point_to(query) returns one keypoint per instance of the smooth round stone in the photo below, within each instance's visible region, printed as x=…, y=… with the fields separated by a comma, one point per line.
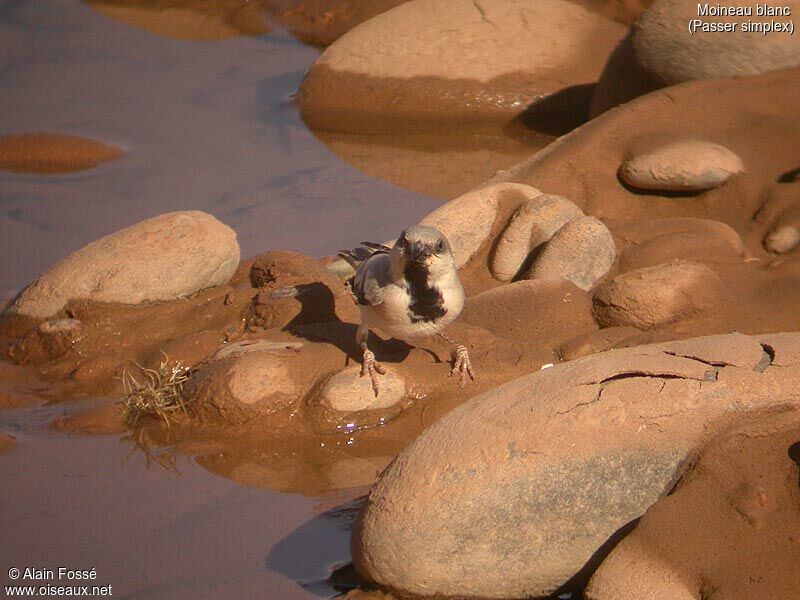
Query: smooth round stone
x=532, y=225
x=655, y=296
x=423, y=64
x=782, y=238
x=347, y=391
x=659, y=51
x=685, y=166
x=582, y=252
x=163, y=258
x=467, y=220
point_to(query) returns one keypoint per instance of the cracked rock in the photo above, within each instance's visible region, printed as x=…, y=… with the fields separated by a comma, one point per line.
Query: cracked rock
x=540, y=473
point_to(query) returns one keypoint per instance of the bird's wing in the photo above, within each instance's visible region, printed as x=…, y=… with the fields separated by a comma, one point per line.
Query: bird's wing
x=373, y=275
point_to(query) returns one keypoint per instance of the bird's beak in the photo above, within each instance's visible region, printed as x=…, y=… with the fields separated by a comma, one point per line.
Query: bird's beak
x=419, y=251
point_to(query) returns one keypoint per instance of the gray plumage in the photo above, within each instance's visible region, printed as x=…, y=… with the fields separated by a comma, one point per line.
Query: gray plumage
x=410, y=291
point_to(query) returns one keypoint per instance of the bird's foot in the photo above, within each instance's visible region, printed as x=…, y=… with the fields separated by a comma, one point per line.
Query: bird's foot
x=462, y=365
x=372, y=367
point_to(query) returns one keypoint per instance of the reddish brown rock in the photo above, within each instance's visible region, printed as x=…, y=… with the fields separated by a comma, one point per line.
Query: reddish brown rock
x=532, y=311
x=537, y=475
x=595, y=341
x=659, y=51
x=6, y=442
x=532, y=225
x=162, y=258
x=319, y=296
x=468, y=220
x=53, y=153
x=730, y=526
x=365, y=81
x=47, y=341
x=655, y=296
x=582, y=252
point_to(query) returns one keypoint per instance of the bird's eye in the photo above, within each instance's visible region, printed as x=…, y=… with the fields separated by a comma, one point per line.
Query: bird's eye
x=440, y=245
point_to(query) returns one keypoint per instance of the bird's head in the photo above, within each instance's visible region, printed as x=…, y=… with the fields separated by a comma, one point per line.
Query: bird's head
x=423, y=247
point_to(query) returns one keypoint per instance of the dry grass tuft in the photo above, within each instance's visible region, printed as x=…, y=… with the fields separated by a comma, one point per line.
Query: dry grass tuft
x=156, y=393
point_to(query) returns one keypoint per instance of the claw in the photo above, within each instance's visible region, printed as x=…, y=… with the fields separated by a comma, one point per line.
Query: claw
x=462, y=365
x=372, y=367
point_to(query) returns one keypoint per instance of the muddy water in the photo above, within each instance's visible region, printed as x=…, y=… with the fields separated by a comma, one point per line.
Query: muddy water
x=208, y=125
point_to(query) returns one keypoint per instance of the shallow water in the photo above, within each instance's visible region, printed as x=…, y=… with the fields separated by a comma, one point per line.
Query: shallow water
x=205, y=125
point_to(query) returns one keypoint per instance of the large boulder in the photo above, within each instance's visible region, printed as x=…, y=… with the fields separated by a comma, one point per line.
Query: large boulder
x=424, y=63
x=511, y=494
x=163, y=258
x=731, y=525
x=659, y=51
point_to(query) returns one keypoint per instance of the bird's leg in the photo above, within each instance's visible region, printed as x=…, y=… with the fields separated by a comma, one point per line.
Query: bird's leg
x=368, y=363
x=461, y=363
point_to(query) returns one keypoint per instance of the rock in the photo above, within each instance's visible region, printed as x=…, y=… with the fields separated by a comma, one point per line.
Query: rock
x=53, y=153
x=511, y=494
x=655, y=296
x=582, y=252
x=595, y=341
x=163, y=258
x=782, y=238
x=697, y=247
x=730, y=525
x=684, y=166
x=319, y=297
x=345, y=402
x=346, y=391
x=781, y=212
x=201, y=21
x=188, y=350
x=532, y=225
x=241, y=386
x=532, y=311
x=47, y=341
x=467, y=220
x=659, y=52
x=322, y=22
x=642, y=231
x=537, y=49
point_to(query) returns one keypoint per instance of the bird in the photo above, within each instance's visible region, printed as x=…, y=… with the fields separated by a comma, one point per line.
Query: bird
x=410, y=291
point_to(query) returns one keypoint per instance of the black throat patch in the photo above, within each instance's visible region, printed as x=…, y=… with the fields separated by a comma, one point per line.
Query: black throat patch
x=427, y=302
